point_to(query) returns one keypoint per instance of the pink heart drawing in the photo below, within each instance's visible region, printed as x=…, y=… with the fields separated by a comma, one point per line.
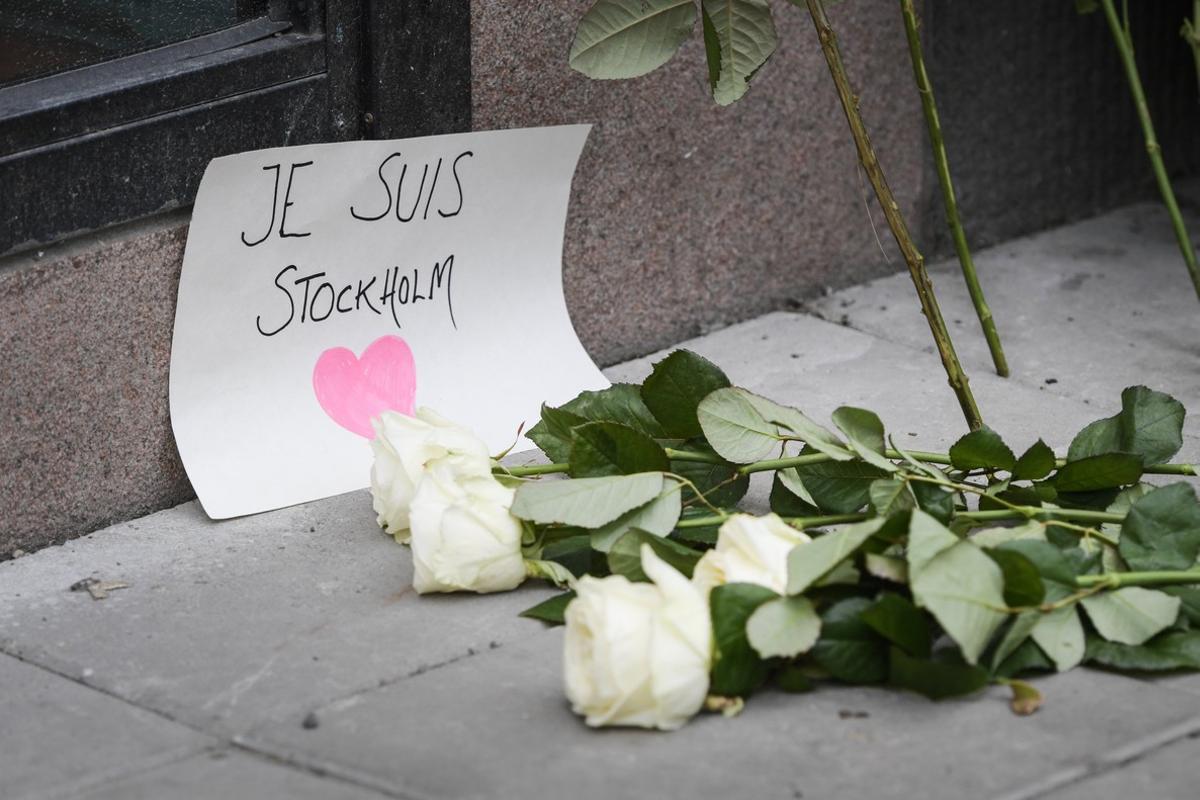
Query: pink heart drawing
x=352, y=390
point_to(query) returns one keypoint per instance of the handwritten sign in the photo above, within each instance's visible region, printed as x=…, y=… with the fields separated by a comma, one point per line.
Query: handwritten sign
x=324, y=284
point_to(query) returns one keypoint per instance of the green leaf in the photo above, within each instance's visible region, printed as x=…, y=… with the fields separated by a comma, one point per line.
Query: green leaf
x=936, y=501
x=835, y=487
x=551, y=571
x=735, y=428
x=993, y=537
x=1022, y=581
x=1107, y=471
x=737, y=668
x=1016, y=495
x=743, y=427
x=1056, y=570
x=1131, y=615
x=810, y=561
x=1014, y=638
x=657, y=517
x=864, y=434
x=982, y=449
x=553, y=434
x=1060, y=635
x=625, y=555
x=927, y=538
x=934, y=678
x=621, y=402
x=844, y=573
x=1150, y=425
x=610, y=448
x=1170, y=651
x=573, y=552
x=675, y=388
x=794, y=425
x=1096, y=501
x=849, y=649
x=745, y=39
x=919, y=466
x=1121, y=505
x=698, y=534
x=1049, y=560
x=1162, y=530
x=628, y=38
x=1035, y=463
x=889, y=495
x=956, y=582
x=793, y=680
x=1046, y=491
x=783, y=627
x=785, y=503
x=901, y=623
x=722, y=484
x=712, y=50
x=586, y=502
x=889, y=568
x=1028, y=657
x=1189, y=597
x=551, y=610
x=1096, y=438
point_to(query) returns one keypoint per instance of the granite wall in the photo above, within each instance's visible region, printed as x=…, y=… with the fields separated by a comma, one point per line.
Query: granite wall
x=686, y=215
x=1037, y=115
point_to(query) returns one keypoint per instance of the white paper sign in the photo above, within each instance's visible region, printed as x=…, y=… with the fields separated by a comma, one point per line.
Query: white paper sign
x=325, y=283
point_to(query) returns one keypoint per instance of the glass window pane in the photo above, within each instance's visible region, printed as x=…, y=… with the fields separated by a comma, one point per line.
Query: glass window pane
x=41, y=37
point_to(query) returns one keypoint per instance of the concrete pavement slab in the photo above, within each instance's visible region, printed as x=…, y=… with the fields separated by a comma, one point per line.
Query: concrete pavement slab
x=221, y=775
x=498, y=726
x=56, y=734
x=1168, y=773
x=228, y=623
x=1083, y=310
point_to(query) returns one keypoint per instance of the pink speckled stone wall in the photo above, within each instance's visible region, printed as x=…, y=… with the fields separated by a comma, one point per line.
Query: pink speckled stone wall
x=85, y=333
x=684, y=215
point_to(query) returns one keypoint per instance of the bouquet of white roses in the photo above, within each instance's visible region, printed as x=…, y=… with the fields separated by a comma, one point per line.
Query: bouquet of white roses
x=939, y=573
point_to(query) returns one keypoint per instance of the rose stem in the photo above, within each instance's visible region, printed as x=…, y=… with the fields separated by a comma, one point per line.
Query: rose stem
x=1191, y=33
x=1124, y=42
x=1115, y=580
x=811, y=458
x=942, y=165
x=891, y=211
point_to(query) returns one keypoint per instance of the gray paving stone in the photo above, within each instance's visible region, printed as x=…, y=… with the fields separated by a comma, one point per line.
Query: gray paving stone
x=228, y=623
x=1095, y=306
x=498, y=726
x=56, y=734
x=221, y=775
x=1169, y=773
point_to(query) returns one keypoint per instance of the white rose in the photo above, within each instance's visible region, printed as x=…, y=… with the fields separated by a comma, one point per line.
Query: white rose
x=463, y=536
x=638, y=653
x=404, y=446
x=749, y=550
